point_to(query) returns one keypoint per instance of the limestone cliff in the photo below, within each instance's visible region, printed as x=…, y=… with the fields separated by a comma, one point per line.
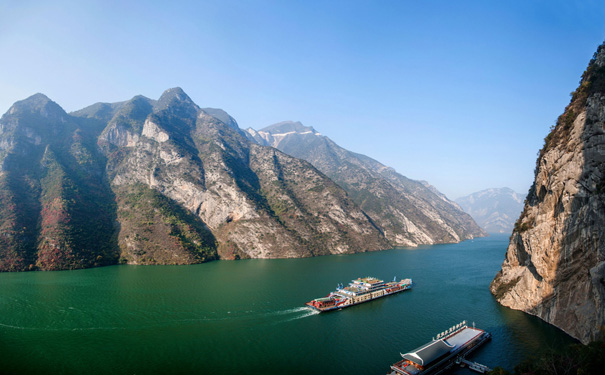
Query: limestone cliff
x=555, y=262
x=257, y=202
x=409, y=212
x=159, y=182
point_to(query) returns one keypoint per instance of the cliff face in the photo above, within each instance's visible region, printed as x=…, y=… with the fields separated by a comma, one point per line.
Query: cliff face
x=409, y=212
x=256, y=201
x=159, y=182
x=555, y=262
x=56, y=207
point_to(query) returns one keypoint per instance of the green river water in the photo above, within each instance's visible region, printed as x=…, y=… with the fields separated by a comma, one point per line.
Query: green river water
x=248, y=316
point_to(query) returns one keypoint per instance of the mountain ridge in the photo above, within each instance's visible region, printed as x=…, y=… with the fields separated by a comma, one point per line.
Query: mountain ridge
x=159, y=182
x=494, y=209
x=409, y=212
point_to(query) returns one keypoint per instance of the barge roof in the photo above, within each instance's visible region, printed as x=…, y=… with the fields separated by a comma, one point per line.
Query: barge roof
x=464, y=336
x=427, y=353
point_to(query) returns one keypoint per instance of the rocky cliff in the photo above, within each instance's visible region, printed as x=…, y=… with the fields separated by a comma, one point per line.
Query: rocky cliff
x=555, y=262
x=408, y=212
x=56, y=206
x=495, y=210
x=159, y=182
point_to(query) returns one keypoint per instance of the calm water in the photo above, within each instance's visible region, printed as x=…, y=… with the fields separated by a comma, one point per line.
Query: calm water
x=227, y=317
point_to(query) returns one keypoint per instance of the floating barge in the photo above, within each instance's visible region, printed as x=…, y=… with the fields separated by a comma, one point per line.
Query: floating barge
x=360, y=290
x=446, y=350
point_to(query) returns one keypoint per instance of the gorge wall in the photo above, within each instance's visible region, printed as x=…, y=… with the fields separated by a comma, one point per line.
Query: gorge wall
x=555, y=262
x=159, y=182
x=409, y=212
x=167, y=182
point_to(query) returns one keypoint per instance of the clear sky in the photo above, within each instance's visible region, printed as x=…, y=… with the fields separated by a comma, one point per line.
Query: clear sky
x=458, y=93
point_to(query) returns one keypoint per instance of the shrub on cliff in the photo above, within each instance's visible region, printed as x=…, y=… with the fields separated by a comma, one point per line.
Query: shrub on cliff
x=576, y=359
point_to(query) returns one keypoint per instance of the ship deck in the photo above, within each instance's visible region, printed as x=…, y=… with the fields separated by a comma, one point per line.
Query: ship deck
x=463, y=337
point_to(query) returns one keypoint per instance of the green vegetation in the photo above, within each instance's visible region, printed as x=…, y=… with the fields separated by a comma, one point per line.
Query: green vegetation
x=133, y=114
x=19, y=210
x=521, y=227
x=576, y=359
x=59, y=211
x=503, y=288
x=77, y=208
x=592, y=81
x=56, y=208
x=160, y=228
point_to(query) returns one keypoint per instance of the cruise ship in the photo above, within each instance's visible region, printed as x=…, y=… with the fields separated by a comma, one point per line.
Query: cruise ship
x=449, y=348
x=360, y=290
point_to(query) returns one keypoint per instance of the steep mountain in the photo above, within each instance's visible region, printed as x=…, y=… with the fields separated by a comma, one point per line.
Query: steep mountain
x=56, y=206
x=555, y=262
x=495, y=210
x=409, y=212
x=159, y=182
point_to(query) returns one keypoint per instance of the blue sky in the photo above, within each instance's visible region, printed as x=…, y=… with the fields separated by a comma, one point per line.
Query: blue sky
x=458, y=93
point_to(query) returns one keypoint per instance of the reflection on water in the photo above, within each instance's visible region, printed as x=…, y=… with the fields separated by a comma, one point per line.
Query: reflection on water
x=249, y=315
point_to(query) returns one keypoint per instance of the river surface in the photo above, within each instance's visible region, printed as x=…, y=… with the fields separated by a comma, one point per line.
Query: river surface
x=247, y=316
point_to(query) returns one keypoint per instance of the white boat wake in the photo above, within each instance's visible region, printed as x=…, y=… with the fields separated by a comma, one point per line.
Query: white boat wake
x=284, y=316
x=298, y=313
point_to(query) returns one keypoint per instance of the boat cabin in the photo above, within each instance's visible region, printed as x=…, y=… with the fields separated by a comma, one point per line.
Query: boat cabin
x=423, y=357
x=323, y=303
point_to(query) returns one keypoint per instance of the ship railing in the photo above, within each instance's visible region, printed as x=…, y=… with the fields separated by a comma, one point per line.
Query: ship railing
x=396, y=367
x=453, y=329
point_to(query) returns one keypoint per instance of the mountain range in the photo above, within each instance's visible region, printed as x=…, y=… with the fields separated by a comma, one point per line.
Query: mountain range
x=409, y=212
x=166, y=182
x=495, y=210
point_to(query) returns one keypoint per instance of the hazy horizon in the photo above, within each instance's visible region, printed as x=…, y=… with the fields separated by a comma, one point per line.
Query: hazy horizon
x=459, y=96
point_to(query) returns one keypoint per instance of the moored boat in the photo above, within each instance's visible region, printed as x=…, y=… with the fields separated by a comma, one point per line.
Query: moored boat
x=360, y=290
x=447, y=349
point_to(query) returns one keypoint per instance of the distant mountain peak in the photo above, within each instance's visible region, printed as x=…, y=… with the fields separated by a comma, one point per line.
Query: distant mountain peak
x=495, y=209
x=273, y=135
x=288, y=127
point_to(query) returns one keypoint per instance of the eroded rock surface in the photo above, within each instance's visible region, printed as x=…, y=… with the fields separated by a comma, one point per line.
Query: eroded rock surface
x=159, y=182
x=555, y=262
x=409, y=212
